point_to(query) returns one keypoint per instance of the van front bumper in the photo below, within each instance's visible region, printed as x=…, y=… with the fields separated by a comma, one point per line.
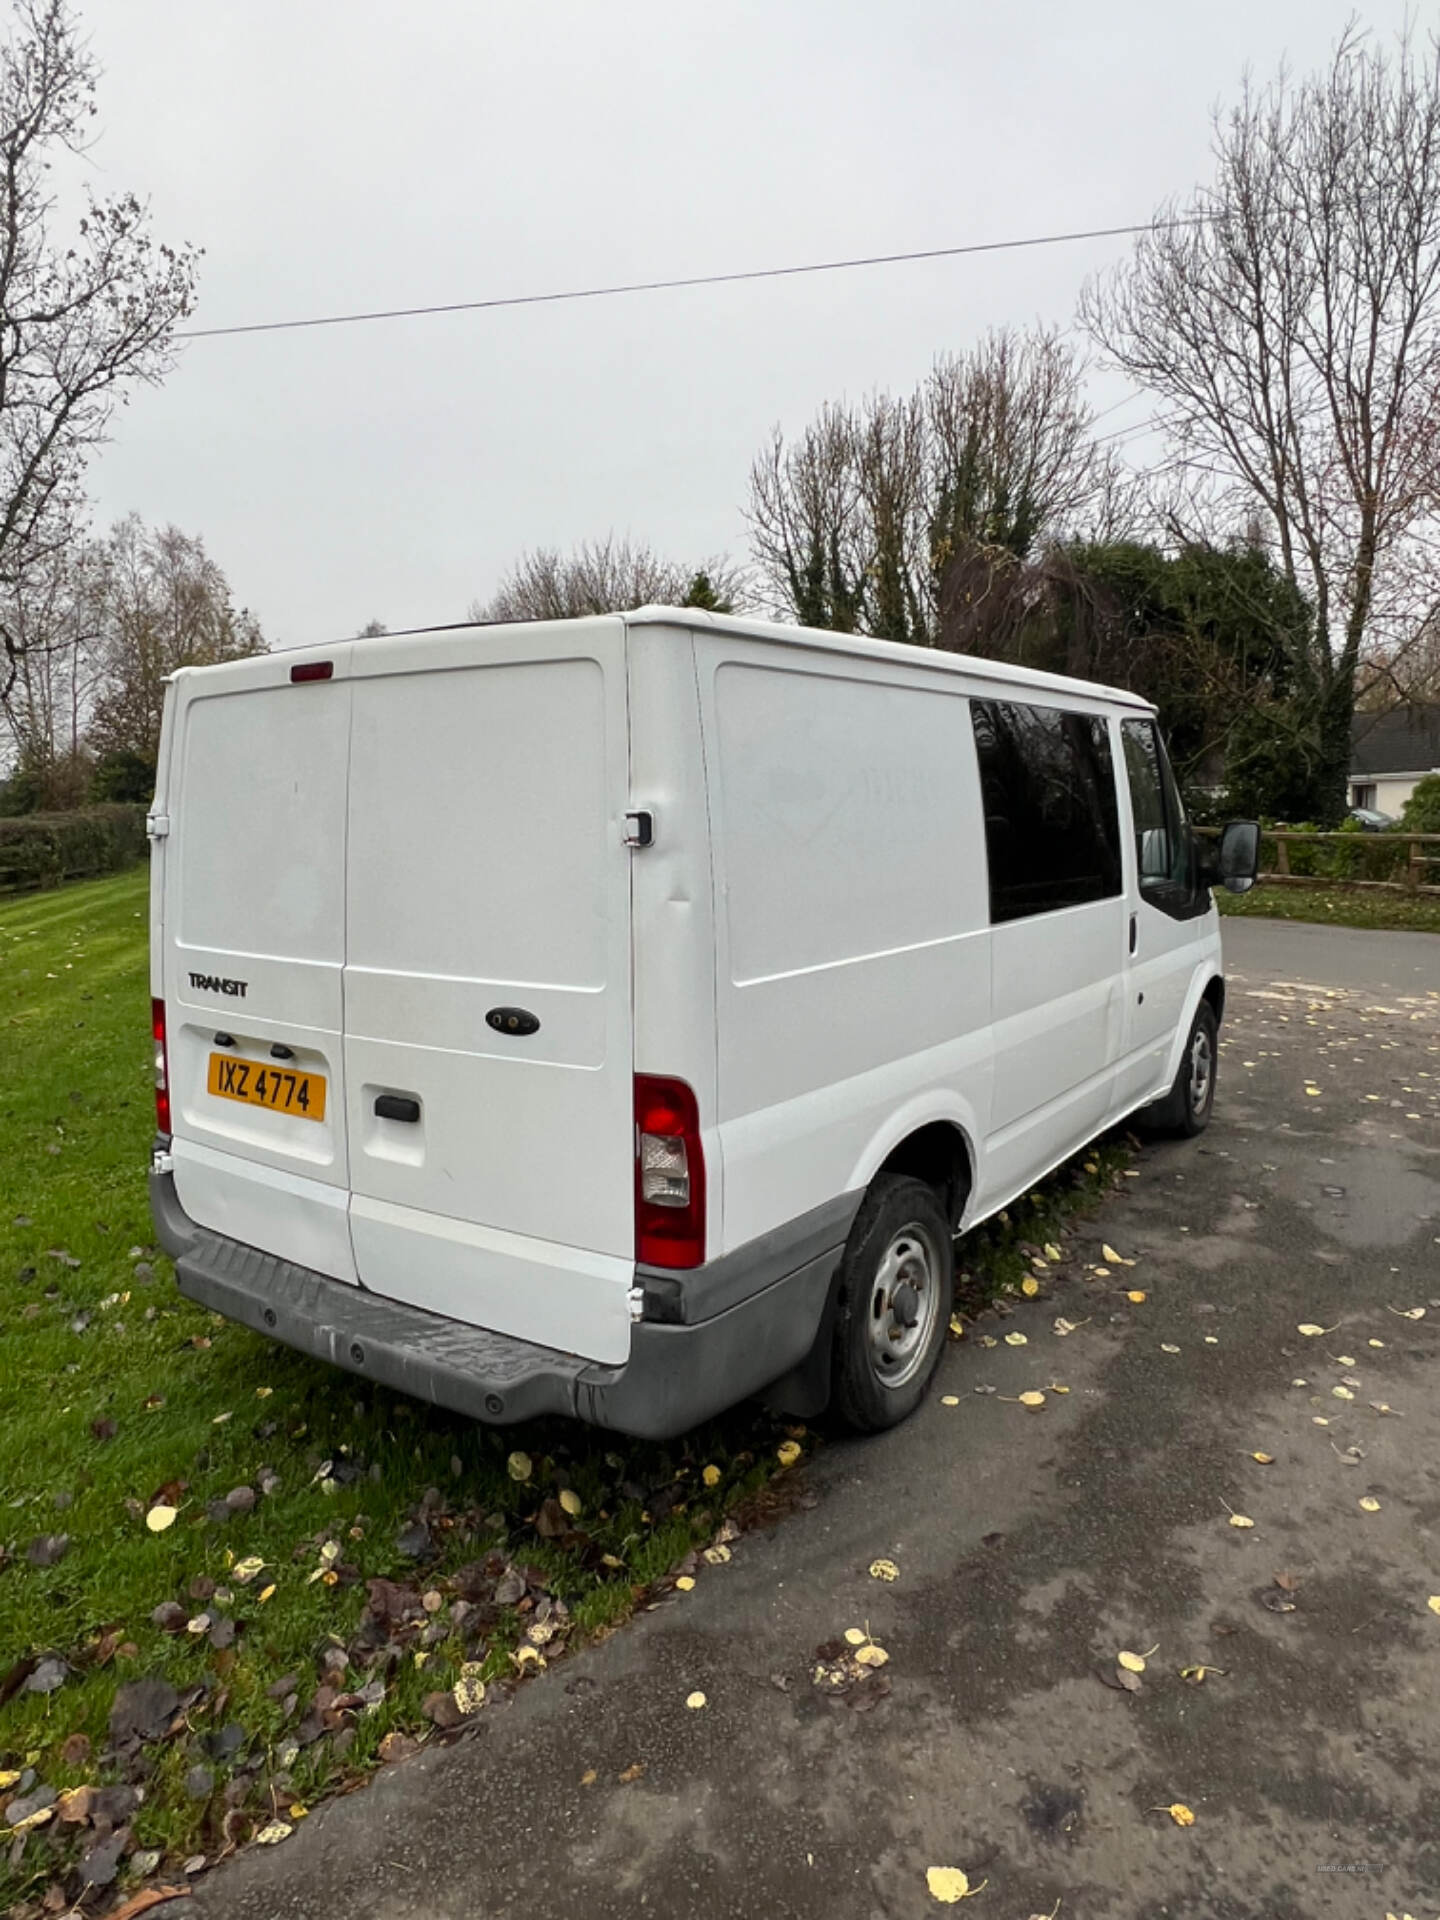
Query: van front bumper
x=677, y=1374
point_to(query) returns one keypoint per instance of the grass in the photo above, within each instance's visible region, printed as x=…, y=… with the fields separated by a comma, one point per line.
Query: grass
x=117, y=1393
x=1336, y=907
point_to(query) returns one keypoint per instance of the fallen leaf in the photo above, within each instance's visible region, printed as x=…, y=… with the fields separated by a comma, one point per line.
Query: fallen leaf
x=1265, y=1459
x=1288, y=1582
x=717, y=1556
x=1029, y=1286
x=788, y=1452
x=1168, y=1346
x=1408, y=1313
x=949, y=1884
x=1178, y=1812
x=711, y=1476
x=884, y=1570
x=949, y=1399
x=1311, y=1331
x=264, y=1594
x=469, y=1689
x=159, y=1518
x=1434, y=1603
x=957, y=1327
x=871, y=1656
x=1016, y=1340
x=632, y=1772
x=695, y=1701
x=244, y=1571
x=571, y=1502
x=1136, y=1296
x=519, y=1466
x=1132, y=1662
x=1342, y=1393
x=1241, y=1520
x=1031, y=1399
x=685, y=1583
x=277, y=1831
x=1370, y=1504
x=589, y=1777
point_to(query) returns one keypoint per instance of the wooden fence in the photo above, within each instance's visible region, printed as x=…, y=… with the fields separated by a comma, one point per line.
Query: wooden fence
x=1411, y=861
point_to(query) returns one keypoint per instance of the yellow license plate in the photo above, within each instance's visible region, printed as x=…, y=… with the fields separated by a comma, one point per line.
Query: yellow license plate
x=264, y=1084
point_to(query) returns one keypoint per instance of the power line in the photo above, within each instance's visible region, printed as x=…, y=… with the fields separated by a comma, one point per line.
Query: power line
x=692, y=280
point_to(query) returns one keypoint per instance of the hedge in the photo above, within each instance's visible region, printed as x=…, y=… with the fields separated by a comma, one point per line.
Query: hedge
x=42, y=849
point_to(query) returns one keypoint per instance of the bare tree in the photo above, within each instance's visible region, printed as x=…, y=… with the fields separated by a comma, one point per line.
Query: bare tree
x=607, y=576
x=84, y=314
x=911, y=517
x=163, y=604
x=43, y=720
x=1291, y=325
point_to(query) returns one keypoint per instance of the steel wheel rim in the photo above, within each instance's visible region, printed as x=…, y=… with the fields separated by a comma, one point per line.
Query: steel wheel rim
x=1200, y=1071
x=908, y=1278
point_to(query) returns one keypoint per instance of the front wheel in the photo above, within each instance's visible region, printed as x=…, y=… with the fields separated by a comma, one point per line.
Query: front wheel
x=897, y=1280
x=1185, y=1110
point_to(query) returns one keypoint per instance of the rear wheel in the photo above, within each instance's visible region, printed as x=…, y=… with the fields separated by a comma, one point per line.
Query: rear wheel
x=1186, y=1109
x=897, y=1279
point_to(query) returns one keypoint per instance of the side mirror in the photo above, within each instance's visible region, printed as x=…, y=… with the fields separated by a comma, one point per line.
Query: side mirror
x=1237, y=860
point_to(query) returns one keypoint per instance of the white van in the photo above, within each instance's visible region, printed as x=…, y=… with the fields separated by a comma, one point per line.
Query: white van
x=618, y=1017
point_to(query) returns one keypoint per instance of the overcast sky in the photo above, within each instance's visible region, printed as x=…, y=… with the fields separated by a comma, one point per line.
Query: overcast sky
x=347, y=154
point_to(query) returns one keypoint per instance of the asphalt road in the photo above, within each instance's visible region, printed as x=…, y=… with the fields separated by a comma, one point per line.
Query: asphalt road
x=1031, y=1548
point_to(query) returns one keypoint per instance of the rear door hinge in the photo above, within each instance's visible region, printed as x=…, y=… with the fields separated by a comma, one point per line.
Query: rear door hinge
x=162, y=1160
x=157, y=825
x=640, y=829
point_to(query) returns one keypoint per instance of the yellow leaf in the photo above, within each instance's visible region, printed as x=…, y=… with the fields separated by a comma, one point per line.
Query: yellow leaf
x=884, y=1570
x=298, y=1811
x=711, y=1476
x=685, y=1583
x=988, y=1340
x=1314, y=1092
x=1180, y=1814
x=420, y=1656
x=1408, y=1313
x=519, y=1466
x=1265, y=1459
x=571, y=1502
x=852, y=1634
x=265, y=1594
x=272, y=1835
x=1168, y=1346
x=1016, y=1340
x=1135, y=1296
x=788, y=1452
x=1434, y=1603
x=1101, y=1273
x=957, y=1327
x=263, y=1393
x=949, y=1399
x=159, y=1518
x=1091, y=1167
x=1032, y=1399
x=469, y=1689
x=1132, y=1662
x=1375, y=1343
x=245, y=1570
x=949, y=1884
x=1241, y=1520
x=1109, y=1253
x=1345, y=1360
x=589, y=1777
x=1055, y=1387
x=1029, y=1286
x=871, y=1656
x=1342, y=1393
x=1370, y=1504
x=9, y=1775
x=695, y=1701
x=1311, y=1331
x=717, y=1556
x=1318, y=1420
x=1052, y=1252
x=526, y=1657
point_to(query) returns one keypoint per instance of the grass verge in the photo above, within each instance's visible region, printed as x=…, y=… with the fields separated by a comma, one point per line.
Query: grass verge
x=340, y=1561
x=1335, y=907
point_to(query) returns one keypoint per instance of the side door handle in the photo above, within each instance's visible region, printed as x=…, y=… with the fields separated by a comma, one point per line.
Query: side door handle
x=1134, y=931
x=395, y=1106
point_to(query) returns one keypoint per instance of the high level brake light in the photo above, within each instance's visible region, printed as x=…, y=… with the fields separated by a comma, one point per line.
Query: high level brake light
x=669, y=1174
x=162, y=1067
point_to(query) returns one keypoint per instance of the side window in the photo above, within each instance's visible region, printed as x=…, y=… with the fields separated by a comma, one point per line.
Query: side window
x=1052, y=834
x=1162, y=844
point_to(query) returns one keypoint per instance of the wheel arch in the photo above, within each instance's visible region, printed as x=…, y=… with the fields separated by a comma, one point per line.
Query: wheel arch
x=932, y=1140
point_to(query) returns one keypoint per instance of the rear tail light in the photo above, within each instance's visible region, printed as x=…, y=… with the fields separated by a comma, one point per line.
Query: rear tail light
x=313, y=670
x=669, y=1174
x=162, y=1066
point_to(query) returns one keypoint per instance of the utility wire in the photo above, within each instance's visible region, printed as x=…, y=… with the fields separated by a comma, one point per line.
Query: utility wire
x=692, y=280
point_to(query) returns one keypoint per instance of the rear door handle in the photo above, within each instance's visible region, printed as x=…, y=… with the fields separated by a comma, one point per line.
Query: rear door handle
x=1134, y=931
x=395, y=1106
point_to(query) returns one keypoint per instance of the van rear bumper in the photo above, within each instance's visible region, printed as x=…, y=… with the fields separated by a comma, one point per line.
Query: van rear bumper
x=676, y=1376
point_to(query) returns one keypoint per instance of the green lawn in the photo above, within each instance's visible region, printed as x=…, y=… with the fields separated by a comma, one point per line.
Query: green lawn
x=253, y=1619
x=1336, y=907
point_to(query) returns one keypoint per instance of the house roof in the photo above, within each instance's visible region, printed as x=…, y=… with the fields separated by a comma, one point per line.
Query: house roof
x=1405, y=740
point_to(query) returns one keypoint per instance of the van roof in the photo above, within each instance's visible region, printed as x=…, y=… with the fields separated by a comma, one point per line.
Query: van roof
x=773, y=632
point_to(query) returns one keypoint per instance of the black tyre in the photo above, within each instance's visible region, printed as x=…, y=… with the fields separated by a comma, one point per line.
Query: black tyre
x=897, y=1281
x=1186, y=1109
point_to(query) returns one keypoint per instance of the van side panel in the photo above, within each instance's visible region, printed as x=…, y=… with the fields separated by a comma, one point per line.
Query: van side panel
x=852, y=910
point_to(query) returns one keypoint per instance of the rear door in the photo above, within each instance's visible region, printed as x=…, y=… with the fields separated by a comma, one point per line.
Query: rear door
x=491, y=1163
x=253, y=956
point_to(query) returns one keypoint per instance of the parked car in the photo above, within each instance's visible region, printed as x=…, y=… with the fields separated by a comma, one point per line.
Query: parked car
x=620, y=1017
x=1371, y=820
